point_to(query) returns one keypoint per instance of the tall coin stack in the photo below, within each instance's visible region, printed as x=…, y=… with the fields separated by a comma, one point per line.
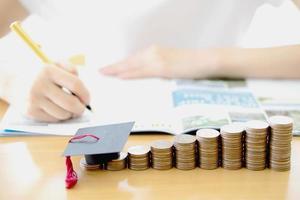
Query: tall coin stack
x=117, y=164
x=256, y=144
x=232, y=146
x=280, y=142
x=185, y=154
x=139, y=157
x=208, y=148
x=162, y=154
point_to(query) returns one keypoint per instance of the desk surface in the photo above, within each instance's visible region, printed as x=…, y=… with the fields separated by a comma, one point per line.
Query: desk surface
x=33, y=168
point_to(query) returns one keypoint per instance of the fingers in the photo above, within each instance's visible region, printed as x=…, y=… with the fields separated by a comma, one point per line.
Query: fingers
x=118, y=68
x=68, y=67
x=150, y=62
x=40, y=115
x=68, y=81
x=49, y=102
x=125, y=71
x=134, y=74
x=54, y=110
x=64, y=100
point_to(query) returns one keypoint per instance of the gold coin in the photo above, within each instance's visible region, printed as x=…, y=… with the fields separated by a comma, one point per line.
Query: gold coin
x=280, y=122
x=207, y=133
x=231, y=129
x=138, y=150
x=86, y=166
x=161, y=145
x=256, y=126
x=184, y=139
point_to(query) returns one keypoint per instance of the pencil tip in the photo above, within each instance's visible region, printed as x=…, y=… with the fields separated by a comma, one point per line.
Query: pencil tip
x=89, y=107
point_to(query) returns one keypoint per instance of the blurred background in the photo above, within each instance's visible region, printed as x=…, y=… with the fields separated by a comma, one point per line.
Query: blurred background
x=62, y=36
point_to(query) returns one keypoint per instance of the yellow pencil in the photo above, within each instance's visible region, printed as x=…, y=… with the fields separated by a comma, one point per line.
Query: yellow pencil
x=16, y=27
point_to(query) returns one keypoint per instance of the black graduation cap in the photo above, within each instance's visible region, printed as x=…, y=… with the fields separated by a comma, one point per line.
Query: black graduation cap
x=98, y=144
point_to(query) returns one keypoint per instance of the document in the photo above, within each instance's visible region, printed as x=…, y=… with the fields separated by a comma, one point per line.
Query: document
x=278, y=97
x=169, y=106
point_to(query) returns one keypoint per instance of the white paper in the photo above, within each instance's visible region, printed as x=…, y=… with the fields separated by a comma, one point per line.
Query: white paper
x=147, y=102
x=162, y=105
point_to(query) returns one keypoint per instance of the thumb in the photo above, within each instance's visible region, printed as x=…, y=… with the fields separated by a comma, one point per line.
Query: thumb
x=68, y=67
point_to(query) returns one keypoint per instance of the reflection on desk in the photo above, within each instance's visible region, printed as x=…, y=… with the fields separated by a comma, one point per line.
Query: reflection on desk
x=33, y=168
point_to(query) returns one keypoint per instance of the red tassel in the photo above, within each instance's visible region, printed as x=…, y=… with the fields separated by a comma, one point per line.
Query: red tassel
x=71, y=178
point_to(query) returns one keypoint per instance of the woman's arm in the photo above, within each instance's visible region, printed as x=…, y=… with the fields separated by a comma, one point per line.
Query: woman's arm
x=10, y=10
x=276, y=62
x=297, y=3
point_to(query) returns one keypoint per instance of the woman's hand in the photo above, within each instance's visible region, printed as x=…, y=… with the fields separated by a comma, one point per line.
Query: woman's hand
x=166, y=63
x=47, y=101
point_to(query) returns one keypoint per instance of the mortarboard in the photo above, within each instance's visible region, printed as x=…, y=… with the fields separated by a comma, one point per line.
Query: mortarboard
x=98, y=144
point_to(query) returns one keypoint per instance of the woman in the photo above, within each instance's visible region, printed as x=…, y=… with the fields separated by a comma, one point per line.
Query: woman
x=46, y=101
x=194, y=39
x=212, y=52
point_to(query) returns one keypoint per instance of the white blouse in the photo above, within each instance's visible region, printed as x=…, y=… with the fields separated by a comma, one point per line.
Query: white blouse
x=120, y=27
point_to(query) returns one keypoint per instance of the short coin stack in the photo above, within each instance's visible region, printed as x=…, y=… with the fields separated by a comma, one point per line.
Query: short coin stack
x=117, y=164
x=232, y=146
x=162, y=154
x=280, y=142
x=86, y=166
x=139, y=157
x=185, y=154
x=208, y=148
x=256, y=144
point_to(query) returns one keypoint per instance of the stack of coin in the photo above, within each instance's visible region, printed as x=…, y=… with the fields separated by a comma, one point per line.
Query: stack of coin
x=117, y=164
x=185, y=154
x=86, y=166
x=280, y=142
x=139, y=157
x=162, y=154
x=256, y=144
x=232, y=146
x=208, y=140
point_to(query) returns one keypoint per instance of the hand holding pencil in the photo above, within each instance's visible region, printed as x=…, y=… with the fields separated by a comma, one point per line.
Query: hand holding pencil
x=48, y=99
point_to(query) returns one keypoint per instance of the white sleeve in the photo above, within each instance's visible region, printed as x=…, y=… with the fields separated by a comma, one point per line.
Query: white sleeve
x=275, y=2
x=42, y=8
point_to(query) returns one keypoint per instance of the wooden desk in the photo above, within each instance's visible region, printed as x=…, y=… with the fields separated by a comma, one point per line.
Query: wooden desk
x=33, y=168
